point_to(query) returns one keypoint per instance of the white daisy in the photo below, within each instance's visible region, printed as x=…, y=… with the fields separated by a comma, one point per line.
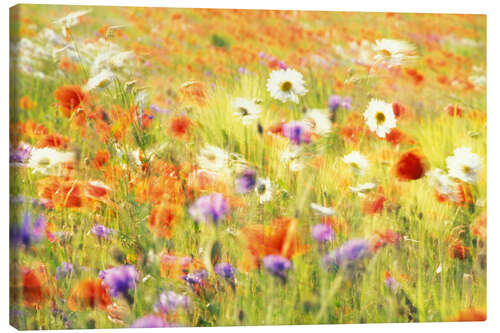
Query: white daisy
x=49, y=161
x=247, y=110
x=286, y=85
x=101, y=80
x=291, y=157
x=361, y=189
x=393, y=52
x=379, y=117
x=321, y=210
x=213, y=159
x=357, y=162
x=319, y=121
x=70, y=20
x=464, y=165
x=443, y=184
x=264, y=189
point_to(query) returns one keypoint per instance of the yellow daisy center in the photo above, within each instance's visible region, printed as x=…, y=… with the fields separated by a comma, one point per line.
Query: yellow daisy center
x=243, y=111
x=286, y=86
x=380, y=117
x=466, y=169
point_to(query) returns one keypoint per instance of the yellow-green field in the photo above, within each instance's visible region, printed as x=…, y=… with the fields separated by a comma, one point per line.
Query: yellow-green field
x=199, y=167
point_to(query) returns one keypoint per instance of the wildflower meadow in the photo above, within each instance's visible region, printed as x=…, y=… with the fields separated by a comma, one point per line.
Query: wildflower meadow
x=200, y=167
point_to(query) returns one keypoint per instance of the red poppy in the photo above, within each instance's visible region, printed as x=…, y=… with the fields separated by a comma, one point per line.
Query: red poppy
x=396, y=137
x=373, y=203
x=459, y=251
x=281, y=237
x=454, y=110
x=470, y=315
x=53, y=141
x=163, y=218
x=179, y=126
x=101, y=157
x=89, y=293
x=70, y=98
x=411, y=165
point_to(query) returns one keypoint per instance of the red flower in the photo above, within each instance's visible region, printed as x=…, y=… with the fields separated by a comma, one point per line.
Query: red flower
x=458, y=251
x=470, y=315
x=373, y=203
x=411, y=166
x=454, y=110
x=179, y=126
x=89, y=293
x=70, y=98
x=101, y=158
x=396, y=137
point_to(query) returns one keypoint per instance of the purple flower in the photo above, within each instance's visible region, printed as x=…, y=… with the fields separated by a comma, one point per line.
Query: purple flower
x=196, y=277
x=211, y=207
x=277, y=265
x=298, y=132
x=346, y=103
x=281, y=65
x=19, y=155
x=149, y=321
x=225, y=270
x=157, y=109
x=120, y=279
x=322, y=233
x=65, y=269
x=30, y=232
x=348, y=253
x=390, y=282
x=101, y=231
x=243, y=70
x=169, y=301
x=334, y=102
x=246, y=182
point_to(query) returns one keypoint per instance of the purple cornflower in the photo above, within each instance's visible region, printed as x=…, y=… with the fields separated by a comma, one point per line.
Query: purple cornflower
x=348, y=253
x=246, y=181
x=149, y=321
x=169, y=301
x=335, y=101
x=19, y=155
x=30, y=232
x=298, y=132
x=225, y=270
x=120, y=279
x=66, y=268
x=277, y=265
x=157, y=109
x=322, y=233
x=346, y=103
x=101, y=231
x=390, y=282
x=281, y=65
x=211, y=207
x=196, y=277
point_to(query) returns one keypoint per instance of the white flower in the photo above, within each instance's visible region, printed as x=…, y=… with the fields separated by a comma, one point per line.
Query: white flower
x=264, y=189
x=321, y=210
x=101, y=80
x=120, y=59
x=361, y=189
x=48, y=160
x=291, y=157
x=358, y=162
x=71, y=19
x=393, y=52
x=213, y=159
x=379, y=117
x=247, y=110
x=464, y=165
x=443, y=184
x=319, y=121
x=286, y=85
